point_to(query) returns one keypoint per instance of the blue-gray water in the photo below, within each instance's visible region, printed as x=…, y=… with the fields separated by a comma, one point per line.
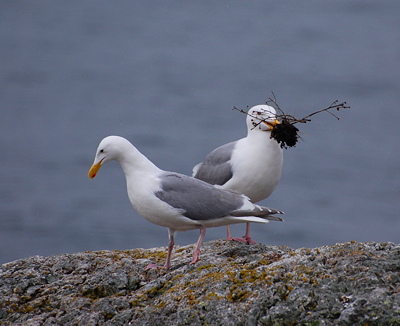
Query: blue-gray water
x=165, y=75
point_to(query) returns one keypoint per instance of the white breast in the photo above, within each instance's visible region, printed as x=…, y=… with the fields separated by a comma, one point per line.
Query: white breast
x=257, y=166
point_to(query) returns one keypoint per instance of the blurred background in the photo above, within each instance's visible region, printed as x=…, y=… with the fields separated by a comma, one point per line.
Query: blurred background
x=166, y=75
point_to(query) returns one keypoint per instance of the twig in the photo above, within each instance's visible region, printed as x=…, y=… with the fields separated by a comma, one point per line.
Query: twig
x=335, y=105
x=285, y=133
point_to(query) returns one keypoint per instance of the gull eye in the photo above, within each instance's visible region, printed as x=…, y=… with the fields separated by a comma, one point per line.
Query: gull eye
x=102, y=151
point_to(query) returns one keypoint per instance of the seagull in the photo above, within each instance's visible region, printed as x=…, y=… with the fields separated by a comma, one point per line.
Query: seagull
x=251, y=166
x=176, y=201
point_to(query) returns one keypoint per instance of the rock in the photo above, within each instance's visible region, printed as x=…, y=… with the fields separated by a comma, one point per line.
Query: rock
x=232, y=284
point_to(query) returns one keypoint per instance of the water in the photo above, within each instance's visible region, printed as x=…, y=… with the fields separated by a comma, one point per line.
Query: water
x=165, y=75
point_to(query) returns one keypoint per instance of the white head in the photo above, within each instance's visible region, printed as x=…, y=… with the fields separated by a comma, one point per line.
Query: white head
x=261, y=117
x=110, y=148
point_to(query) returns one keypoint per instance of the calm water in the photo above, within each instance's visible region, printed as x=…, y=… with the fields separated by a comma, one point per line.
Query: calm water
x=165, y=75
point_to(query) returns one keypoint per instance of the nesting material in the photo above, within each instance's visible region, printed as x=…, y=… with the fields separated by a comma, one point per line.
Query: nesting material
x=286, y=133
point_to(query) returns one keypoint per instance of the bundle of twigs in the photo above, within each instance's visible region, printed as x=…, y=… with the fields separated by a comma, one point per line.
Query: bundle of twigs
x=285, y=133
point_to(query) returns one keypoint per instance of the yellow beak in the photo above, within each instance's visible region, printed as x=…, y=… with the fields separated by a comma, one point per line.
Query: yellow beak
x=272, y=124
x=94, y=169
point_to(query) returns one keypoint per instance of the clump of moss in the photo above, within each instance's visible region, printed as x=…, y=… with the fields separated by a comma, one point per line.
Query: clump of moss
x=286, y=134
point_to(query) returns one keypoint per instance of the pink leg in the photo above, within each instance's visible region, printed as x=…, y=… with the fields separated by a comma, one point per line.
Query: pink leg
x=169, y=255
x=170, y=248
x=228, y=233
x=196, y=251
x=230, y=238
x=246, y=238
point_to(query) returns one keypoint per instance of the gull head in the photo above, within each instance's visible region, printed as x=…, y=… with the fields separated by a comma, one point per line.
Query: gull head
x=110, y=148
x=261, y=117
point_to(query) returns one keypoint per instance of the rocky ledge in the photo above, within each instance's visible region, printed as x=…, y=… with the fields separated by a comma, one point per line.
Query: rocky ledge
x=233, y=284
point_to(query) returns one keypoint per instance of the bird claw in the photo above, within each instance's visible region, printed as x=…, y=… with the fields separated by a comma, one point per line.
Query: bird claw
x=245, y=240
x=249, y=240
x=238, y=239
x=152, y=266
x=155, y=266
x=195, y=259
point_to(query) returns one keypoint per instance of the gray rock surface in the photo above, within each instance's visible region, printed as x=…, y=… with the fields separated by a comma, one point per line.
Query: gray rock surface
x=233, y=284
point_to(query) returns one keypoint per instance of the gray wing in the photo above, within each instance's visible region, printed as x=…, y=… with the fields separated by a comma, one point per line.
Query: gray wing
x=198, y=199
x=216, y=167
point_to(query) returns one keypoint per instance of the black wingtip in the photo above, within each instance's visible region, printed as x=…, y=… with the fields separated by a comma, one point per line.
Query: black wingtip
x=273, y=210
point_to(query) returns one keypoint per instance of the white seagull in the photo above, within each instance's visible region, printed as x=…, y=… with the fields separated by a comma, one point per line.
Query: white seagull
x=251, y=166
x=173, y=200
